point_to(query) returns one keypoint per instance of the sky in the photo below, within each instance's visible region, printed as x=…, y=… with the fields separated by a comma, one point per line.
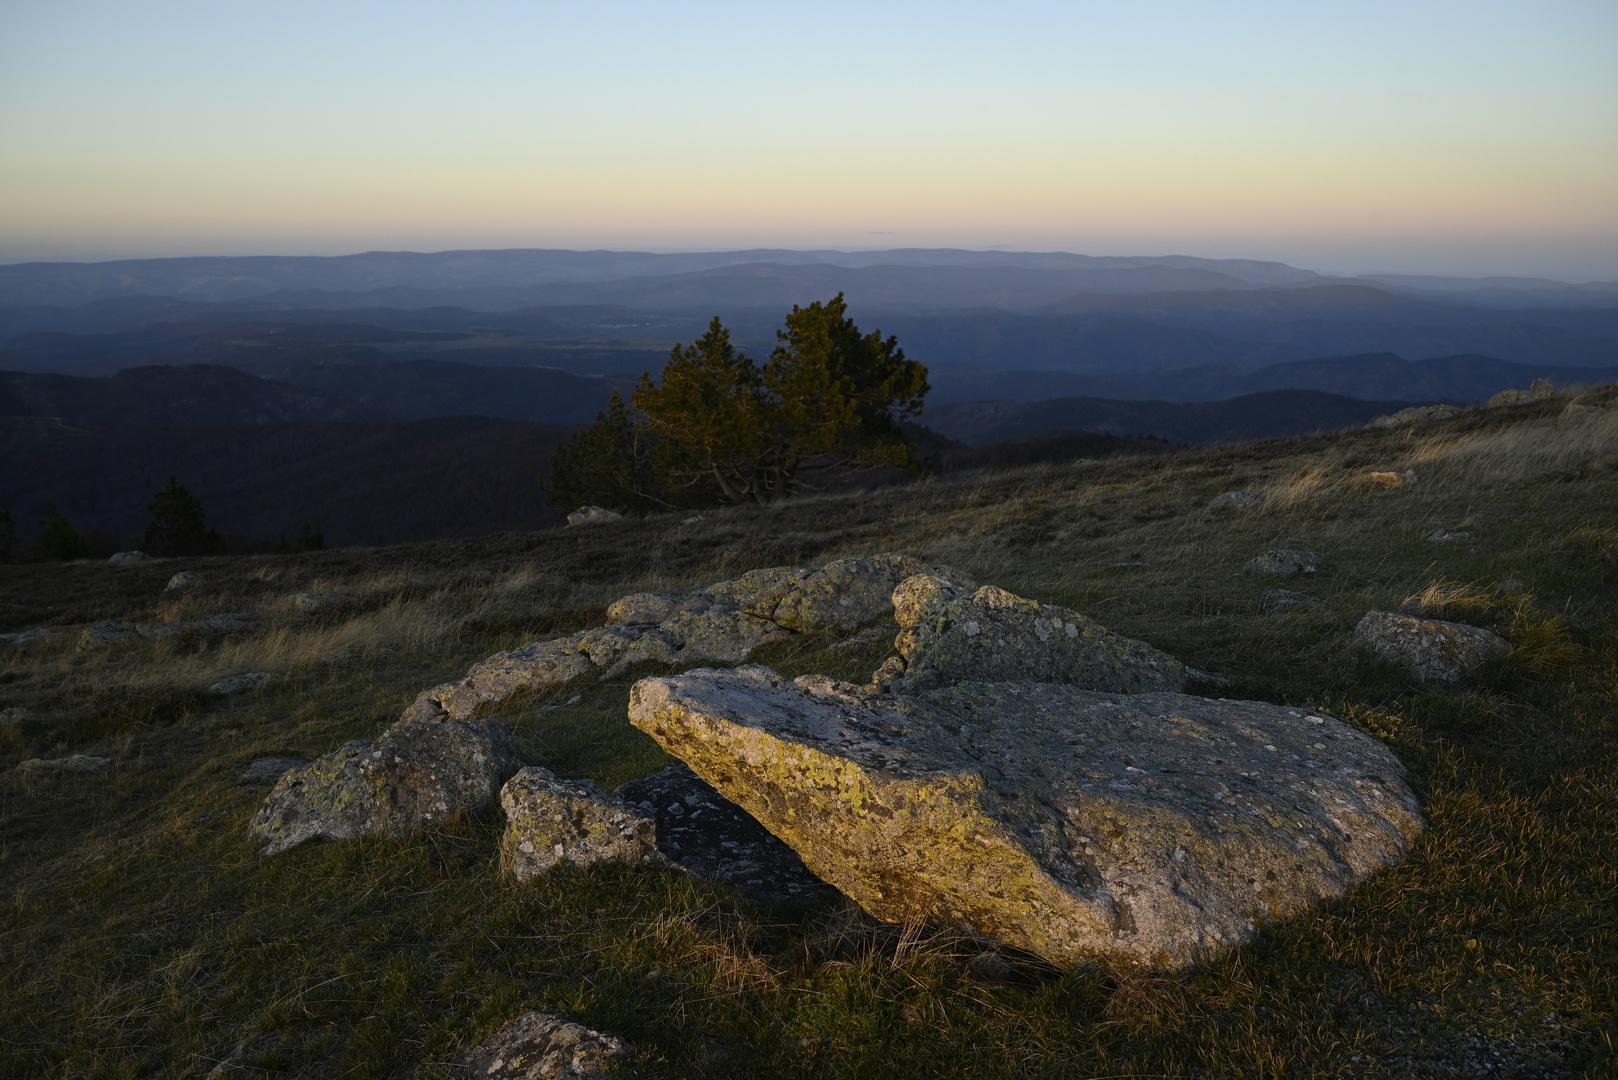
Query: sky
x=1476, y=137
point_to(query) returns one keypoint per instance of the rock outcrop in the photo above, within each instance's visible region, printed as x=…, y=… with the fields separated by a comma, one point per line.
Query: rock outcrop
x=1156, y=828
x=953, y=632
x=185, y=579
x=104, y=635
x=252, y=680
x=72, y=763
x=415, y=774
x=131, y=558
x=1439, y=654
x=266, y=771
x=1284, y=561
x=544, y=1046
x=1275, y=600
x=593, y=515
x=550, y=821
x=723, y=623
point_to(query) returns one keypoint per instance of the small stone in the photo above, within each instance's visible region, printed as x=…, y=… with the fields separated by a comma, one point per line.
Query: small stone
x=75, y=763
x=550, y=821
x=1387, y=479
x=545, y=1046
x=1434, y=652
x=252, y=680
x=1237, y=500
x=185, y=579
x=310, y=603
x=1275, y=600
x=1284, y=561
x=269, y=769
x=593, y=515
x=1446, y=536
x=131, y=558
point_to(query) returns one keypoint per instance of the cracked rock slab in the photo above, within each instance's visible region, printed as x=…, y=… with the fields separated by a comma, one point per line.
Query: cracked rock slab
x=1154, y=828
x=953, y=633
x=545, y=1046
x=550, y=821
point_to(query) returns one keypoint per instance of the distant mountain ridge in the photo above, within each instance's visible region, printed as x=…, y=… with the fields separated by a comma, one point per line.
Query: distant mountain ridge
x=1252, y=416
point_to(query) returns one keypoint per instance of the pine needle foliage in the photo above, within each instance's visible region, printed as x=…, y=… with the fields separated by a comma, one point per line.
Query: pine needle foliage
x=719, y=428
x=176, y=524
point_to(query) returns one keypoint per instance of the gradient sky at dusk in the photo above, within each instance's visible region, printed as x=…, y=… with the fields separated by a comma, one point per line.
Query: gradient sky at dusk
x=1477, y=137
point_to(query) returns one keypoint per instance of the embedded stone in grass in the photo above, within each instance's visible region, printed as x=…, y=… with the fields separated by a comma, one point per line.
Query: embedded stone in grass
x=1237, y=500
x=251, y=680
x=1275, y=600
x=269, y=769
x=1157, y=828
x=104, y=635
x=185, y=579
x=211, y=626
x=1434, y=652
x=74, y=763
x=951, y=635
x=1447, y=536
x=545, y=1046
x=1284, y=561
x=703, y=833
x=415, y=774
x=593, y=515
x=550, y=821
x=131, y=558
x=310, y=603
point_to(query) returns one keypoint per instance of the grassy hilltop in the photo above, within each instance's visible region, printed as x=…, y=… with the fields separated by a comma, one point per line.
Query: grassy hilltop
x=142, y=937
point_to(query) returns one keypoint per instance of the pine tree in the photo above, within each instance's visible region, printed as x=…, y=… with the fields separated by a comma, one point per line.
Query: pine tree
x=59, y=541
x=175, y=524
x=607, y=464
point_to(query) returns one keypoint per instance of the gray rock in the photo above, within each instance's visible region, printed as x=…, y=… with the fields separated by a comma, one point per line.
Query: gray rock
x=1448, y=536
x=105, y=635
x=310, y=603
x=75, y=763
x=1436, y=653
x=212, y=626
x=1284, y=561
x=415, y=774
x=544, y=1046
x=1275, y=600
x=131, y=558
x=27, y=637
x=185, y=579
x=252, y=680
x=1415, y=414
x=1156, y=828
x=724, y=623
x=951, y=635
x=268, y=770
x=593, y=515
x=1237, y=500
x=550, y=821
x=703, y=833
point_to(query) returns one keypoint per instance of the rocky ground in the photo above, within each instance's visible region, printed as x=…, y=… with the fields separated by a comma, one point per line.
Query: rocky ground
x=1451, y=633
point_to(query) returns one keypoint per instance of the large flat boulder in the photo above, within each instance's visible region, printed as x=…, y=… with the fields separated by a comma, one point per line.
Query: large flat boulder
x=415, y=774
x=1440, y=654
x=953, y=633
x=1156, y=828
